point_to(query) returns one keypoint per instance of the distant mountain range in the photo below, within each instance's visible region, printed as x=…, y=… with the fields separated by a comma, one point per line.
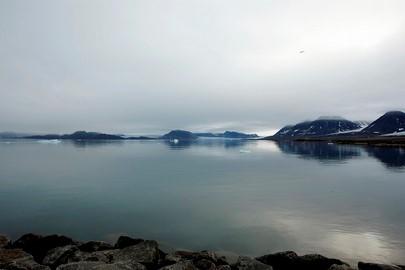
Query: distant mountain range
x=13, y=135
x=179, y=135
x=187, y=135
x=84, y=135
x=391, y=124
x=228, y=134
x=390, y=128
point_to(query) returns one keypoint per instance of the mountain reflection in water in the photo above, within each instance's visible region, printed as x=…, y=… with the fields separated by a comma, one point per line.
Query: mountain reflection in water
x=392, y=157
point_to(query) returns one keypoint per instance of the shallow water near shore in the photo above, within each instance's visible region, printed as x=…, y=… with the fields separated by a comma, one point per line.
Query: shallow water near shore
x=244, y=197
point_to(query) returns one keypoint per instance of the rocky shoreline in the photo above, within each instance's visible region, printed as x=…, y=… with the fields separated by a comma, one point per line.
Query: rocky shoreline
x=37, y=252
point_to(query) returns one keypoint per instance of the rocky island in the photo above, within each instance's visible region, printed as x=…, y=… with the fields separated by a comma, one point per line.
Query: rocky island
x=37, y=252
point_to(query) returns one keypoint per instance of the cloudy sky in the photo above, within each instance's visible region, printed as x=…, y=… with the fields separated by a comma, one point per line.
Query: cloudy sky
x=154, y=65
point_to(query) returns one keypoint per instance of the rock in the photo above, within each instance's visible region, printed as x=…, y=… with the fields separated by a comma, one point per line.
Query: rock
x=146, y=252
x=128, y=265
x=340, y=267
x=38, y=245
x=79, y=266
x=183, y=265
x=318, y=262
x=17, y=259
x=59, y=255
x=171, y=259
x=247, y=263
x=205, y=264
x=224, y=267
x=4, y=241
x=27, y=242
x=202, y=260
x=95, y=246
x=24, y=264
x=196, y=256
x=126, y=241
x=9, y=255
x=289, y=260
x=105, y=256
x=376, y=266
x=286, y=260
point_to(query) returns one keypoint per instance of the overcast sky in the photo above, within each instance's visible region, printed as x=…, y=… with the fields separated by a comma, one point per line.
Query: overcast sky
x=150, y=66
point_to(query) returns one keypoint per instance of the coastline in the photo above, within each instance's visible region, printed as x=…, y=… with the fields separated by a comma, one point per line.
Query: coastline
x=389, y=141
x=37, y=252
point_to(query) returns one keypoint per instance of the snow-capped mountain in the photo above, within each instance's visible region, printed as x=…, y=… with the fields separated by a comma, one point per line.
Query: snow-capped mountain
x=390, y=123
x=363, y=124
x=320, y=127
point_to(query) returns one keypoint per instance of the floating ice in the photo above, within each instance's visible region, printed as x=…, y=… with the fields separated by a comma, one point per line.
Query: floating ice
x=49, y=141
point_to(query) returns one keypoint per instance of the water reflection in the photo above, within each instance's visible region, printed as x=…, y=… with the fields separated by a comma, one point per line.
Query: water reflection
x=206, y=142
x=391, y=157
x=324, y=152
x=246, y=197
x=93, y=143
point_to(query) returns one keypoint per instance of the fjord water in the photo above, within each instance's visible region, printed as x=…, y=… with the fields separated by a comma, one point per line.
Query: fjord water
x=245, y=197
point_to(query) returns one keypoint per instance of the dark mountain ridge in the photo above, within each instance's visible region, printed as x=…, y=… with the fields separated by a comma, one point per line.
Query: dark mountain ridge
x=387, y=130
x=390, y=122
x=179, y=135
x=320, y=127
x=84, y=135
x=78, y=135
x=227, y=134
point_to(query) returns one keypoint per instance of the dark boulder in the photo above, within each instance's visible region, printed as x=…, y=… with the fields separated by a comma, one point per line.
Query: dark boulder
x=79, y=266
x=59, y=255
x=9, y=255
x=247, y=263
x=286, y=260
x=171, y=259
x=27, y=241
x=289, y=260
x=38, y=245
x=127, y=265
x=205, y=264
x=202, y=255
x=183, y=265
x=377, y=266
x=126, y=241
x=318, y=262
x=146, y=252
x=95, y=246
x=4, y=241
x=105, y=256
x=17, y=259
x=340, y=267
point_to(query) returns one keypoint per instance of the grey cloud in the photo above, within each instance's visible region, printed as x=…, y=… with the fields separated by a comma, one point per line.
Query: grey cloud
x=150, y=66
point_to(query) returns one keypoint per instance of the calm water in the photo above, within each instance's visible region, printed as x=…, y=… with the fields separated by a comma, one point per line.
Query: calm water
x=250, y=198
